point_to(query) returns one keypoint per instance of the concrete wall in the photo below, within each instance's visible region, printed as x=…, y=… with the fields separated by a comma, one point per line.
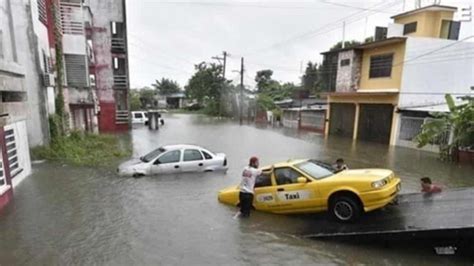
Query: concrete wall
x=74, y=44
x=426, y=79
x=428, y=22
x=348, y=77
x=104, y=12
x=383, y=83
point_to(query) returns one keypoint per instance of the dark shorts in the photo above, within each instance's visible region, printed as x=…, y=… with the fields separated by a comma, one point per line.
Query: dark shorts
x=246, y=200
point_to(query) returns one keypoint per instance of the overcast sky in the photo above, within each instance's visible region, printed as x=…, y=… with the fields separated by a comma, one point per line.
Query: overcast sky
x=166, y=38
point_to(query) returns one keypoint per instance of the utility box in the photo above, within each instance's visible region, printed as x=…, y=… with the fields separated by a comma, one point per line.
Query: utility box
x=154, y=120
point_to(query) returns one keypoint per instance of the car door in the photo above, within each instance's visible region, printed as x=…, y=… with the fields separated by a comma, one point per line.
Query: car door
x=265, y=193
x=193, y=161
x=291, y=195
x=167, y=163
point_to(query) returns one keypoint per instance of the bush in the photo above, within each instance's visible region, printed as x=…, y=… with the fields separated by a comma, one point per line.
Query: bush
x=83, y=149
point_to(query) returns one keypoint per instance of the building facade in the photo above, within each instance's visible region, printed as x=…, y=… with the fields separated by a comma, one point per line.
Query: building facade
x=110, y=70
x=380, y=86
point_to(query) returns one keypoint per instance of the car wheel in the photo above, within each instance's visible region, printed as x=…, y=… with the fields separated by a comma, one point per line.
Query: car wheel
x=345, y=209
x=137, y=175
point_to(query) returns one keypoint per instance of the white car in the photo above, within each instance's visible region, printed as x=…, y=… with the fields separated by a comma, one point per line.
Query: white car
x=174, y=159
x=139, y=117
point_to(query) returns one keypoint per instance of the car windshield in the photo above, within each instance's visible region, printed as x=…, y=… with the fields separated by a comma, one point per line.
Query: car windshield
x=152, y=155
x=315, y=169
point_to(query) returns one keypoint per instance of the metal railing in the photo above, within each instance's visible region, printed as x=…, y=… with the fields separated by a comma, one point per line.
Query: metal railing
x=72, y=20
x=118, y=44
x=120, y=81
x=121, y=116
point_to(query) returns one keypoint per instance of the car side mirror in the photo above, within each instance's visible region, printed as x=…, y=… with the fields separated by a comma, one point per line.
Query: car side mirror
x=302, y=180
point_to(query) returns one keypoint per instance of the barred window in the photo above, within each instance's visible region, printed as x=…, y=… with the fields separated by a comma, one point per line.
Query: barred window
x=42, y=11
x=345, y=62
x=381, y=66
x=409, y=28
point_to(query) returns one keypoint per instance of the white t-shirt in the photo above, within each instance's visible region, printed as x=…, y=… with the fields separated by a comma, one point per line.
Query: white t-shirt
x=248, y=179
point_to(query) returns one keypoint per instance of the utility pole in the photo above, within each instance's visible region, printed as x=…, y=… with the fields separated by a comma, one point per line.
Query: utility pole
x=343, y=34
x=224, y=62
x=241, y=105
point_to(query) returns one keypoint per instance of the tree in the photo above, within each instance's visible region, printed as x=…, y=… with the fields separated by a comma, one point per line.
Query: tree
x=166, y=86
x=206, y=86
x=458, y=122
x=347, y=44
x=264, y=79
x=135, y=103
x=147, y=97
x=310, y=79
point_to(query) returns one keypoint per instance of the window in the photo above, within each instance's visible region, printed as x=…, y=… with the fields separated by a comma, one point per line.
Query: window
x=286, y=176
x=169, y=157
x=315, y=169
x=207, y=155
x=263, y=180
x=12, y=154
x=2, y=174
x=450, y=29
x=138, y=115
x=409, y=28
x=152, y=155
x=42, y=11
x=345, y=62
x=192, y=155
x=381, y=66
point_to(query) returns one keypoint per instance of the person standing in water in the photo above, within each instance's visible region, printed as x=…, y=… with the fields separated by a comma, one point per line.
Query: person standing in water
x=247, y=184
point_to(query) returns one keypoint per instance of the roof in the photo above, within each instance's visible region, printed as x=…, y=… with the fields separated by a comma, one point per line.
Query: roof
x=182, y=146
x=383, y=42
x=426, y=8
x=176, y=95
x=436, y=108
x=369, y=45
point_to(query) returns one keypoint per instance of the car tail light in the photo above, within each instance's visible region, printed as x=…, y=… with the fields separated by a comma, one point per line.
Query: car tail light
x=225, y=162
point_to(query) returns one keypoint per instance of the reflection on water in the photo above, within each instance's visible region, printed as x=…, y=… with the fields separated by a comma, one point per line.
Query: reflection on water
x=70, y=215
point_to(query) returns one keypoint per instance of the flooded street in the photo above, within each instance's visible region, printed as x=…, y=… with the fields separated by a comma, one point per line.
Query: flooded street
x=71, y=215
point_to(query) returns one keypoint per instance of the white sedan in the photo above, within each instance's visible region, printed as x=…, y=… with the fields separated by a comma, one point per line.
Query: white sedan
x=174, y=159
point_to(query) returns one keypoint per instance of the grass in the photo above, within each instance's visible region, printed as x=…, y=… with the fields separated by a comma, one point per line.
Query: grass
x=83, y=149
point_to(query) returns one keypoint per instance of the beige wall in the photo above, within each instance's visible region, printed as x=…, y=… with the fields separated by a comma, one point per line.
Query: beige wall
x=428, y=23
x=392, y=82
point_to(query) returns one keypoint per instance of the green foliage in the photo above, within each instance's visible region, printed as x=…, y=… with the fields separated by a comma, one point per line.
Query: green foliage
x=460, y=120
x=166, y=86
x=347, y=44
x=135, y=103
x=264, y=80
x=265, y=102
x=369, y=39
x=206, y=86
x=83, y=149
x=55, y=128
x=310, y=79
x=146, y=96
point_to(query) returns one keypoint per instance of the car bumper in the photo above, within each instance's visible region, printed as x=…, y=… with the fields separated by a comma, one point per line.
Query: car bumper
x=379, y=198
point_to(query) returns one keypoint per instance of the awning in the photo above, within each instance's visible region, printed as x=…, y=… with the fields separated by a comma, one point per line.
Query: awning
x=440, y=108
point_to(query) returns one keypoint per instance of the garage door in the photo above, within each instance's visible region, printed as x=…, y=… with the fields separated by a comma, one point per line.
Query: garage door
x=375, y=122
x=342, y=119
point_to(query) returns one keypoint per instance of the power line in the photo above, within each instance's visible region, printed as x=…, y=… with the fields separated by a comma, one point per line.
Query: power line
x=317, y=32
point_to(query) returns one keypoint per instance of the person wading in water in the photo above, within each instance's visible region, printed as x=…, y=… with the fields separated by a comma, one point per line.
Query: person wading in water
x=247, y=184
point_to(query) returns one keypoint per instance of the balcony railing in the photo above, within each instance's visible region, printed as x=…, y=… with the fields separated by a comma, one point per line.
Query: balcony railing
x=72, y=20
x=120, y=81
x=118, y=44
x=121, y=116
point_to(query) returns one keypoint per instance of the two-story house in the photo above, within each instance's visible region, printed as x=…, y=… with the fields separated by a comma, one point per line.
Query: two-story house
x=417, y=60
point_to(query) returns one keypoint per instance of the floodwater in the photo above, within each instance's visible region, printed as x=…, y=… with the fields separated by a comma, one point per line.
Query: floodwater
x=69, y=215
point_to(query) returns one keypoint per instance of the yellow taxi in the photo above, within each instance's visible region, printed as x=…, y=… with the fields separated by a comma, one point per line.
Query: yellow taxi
x=309, y=186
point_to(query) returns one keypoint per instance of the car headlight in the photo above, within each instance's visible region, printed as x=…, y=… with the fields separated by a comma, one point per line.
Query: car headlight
x=379, y=183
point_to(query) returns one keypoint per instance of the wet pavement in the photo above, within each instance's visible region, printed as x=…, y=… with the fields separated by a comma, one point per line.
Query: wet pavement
x=71, y=215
